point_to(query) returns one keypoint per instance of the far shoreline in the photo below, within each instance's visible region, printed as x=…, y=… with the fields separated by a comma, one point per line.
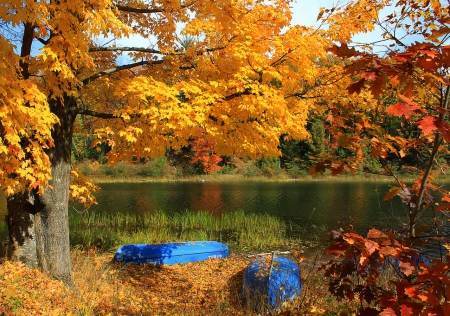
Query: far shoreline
x=101, y=179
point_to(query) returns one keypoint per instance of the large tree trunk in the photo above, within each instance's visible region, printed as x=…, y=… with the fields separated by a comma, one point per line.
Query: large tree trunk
x=21, y=224
x=41, y=230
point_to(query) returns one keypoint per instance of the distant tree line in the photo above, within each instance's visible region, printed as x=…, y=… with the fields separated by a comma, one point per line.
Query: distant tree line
x=296, y=159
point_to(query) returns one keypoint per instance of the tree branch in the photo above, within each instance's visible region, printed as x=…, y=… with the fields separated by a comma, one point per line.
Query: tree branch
x=437, y=142
x=124, y=8
x=97, y=114
x=119, y=68
x=147, y=50
x=138, y=10
x=237, y=94
x=27, y=41
x=125, y=49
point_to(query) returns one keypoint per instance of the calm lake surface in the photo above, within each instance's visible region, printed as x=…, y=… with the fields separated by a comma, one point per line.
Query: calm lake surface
x=308, y=204
x=316, y=206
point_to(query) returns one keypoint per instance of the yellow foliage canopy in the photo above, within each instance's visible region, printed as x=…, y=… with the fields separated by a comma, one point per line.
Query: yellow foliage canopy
x=236, y=70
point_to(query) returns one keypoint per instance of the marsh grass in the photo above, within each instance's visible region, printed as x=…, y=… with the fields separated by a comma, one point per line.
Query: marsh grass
x=242, y=232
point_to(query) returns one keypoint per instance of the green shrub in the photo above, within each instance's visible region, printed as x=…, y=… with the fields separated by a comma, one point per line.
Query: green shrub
x=118, y=170
x=294, y=171
x=156, y=168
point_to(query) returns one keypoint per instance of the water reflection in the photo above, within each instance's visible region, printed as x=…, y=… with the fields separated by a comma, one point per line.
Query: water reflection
x=307, y=204
x=208, y=197
x=310, y=204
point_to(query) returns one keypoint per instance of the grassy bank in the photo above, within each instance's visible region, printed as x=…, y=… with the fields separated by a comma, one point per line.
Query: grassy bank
x=125, y=172
x=242, y=232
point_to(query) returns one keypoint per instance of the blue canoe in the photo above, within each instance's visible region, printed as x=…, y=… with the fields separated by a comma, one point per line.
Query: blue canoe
x=271, y=281
x=171, y=253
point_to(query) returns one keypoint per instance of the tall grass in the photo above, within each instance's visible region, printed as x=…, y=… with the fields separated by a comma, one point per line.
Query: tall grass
x=241, y=231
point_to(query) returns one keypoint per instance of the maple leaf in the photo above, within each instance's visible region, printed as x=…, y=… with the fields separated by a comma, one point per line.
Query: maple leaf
x=407, y=266
x=357, y=86
x=388, y=312
x=338, y=248
x=410, y=309
x=428, y=124
x=370, y=75
x=400, y=109
x=375, y=233
x=392, y=193
x=377, y=86
x=403, y=56
x=371, y=246
x=444, y=129
x=343, y=50
x=423, y=295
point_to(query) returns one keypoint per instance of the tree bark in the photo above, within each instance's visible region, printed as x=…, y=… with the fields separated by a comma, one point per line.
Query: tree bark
x=21, y=225
x=39, y=228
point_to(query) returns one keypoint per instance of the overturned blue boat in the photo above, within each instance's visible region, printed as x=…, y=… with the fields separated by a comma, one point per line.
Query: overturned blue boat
x=270, y=282
x=171, y=253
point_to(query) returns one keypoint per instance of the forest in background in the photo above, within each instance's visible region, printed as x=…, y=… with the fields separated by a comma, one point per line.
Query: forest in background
x=297, y=159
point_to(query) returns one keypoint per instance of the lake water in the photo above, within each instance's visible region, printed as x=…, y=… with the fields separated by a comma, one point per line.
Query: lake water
x=316, y=206
x=308, y=204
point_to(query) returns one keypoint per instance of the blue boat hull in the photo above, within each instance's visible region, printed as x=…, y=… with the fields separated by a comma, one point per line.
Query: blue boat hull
x=270, y=282
x=171, y=253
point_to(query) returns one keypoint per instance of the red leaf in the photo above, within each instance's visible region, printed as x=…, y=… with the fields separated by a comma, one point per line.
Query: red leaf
x=338, y=248
x=403, y=56
x=442, y=208
x=370, y=75
x=409, y=88
x=388, y=251
x=406, y=310
x=410, y=309
x=343, y=51
x=388, y=312
x=352, y=238
x=407, y=266
x=426, y=63
x=357, y=86
x=400, y=109
x=428, y=296
x=377, y=86
x=375, y=233
x=444, y=129
x=337, y=170
x=428, y=52
x=428, y=124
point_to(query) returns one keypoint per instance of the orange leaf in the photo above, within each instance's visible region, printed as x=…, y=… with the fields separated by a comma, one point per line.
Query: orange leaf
x=392, y=193
x=371, y=246
x=375, y=233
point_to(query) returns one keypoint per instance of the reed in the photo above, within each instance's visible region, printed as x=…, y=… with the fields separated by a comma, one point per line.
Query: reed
x=242, y=232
